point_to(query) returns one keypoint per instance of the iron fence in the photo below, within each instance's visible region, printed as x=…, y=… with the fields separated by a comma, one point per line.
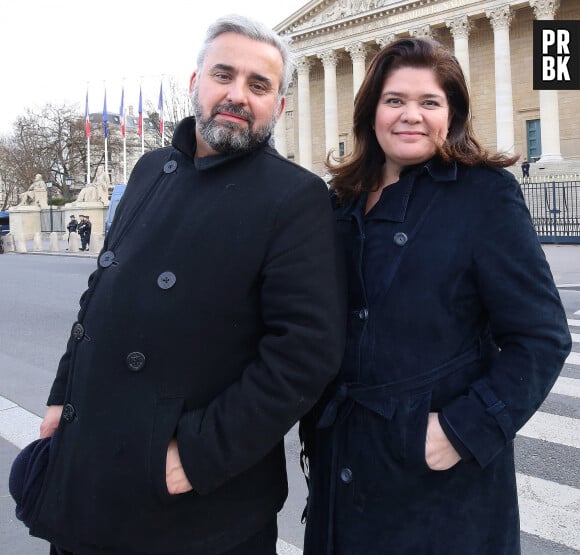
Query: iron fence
x=554, y=204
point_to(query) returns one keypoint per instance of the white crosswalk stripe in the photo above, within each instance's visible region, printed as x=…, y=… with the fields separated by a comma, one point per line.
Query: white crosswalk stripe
x=548, y=509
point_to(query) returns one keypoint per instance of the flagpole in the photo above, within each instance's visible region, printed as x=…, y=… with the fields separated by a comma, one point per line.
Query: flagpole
x=106, y=133
x=88, y=136
x=141, y=120
x=160, y=109
x=123, y=132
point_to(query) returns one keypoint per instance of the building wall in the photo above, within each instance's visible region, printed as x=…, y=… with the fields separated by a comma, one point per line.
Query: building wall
x=482, y=83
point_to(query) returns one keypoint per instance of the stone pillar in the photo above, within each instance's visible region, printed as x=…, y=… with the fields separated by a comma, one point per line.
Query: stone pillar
x=358, y=52
x=500, y=18
x=329, y=61
x=304, y=120
x=549, y=108
x=460, y=27
x=280, y=135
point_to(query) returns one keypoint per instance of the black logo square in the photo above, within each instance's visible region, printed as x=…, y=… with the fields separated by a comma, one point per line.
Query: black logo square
x=557, y=55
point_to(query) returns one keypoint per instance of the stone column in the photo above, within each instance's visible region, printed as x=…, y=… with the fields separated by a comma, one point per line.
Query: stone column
x=304, y=120
x=504, y=109
x=280, y=135
x=329, y=61
x=358, y=52
x=460, y=27
x=549, y=108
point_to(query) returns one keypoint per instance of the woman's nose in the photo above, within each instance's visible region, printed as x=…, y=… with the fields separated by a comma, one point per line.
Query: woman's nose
x=411, y=113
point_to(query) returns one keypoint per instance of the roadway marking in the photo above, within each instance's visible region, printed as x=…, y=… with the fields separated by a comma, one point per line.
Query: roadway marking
x=575, y=337
x=283, y=548
x=573, y=358
x=573, y=322
x=561, y=522
x=569, y=387
x=17, y=425
x=552, y=428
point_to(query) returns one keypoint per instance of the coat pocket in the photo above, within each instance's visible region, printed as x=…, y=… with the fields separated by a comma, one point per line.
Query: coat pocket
x=415, y=416
x=167, y=413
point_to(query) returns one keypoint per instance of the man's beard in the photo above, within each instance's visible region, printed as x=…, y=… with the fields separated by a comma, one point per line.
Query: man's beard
x=228, y=137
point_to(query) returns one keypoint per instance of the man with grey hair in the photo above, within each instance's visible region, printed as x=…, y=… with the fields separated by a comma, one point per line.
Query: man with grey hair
x=211, y=325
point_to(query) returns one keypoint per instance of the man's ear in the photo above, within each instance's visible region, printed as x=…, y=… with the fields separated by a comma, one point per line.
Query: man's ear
x=192, y=81
x=281, y=107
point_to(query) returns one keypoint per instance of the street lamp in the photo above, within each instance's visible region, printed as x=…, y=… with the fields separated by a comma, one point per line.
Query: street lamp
x=49, y=187
x=68, y=181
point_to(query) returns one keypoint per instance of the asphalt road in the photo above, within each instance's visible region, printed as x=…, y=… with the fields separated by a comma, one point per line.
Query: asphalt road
x=38, y=303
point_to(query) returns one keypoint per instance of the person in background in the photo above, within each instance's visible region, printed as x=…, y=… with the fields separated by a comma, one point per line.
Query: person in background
x=456, y=331
x=72, y=226
x=84, y=231
x=525, y=168
x=197, y=349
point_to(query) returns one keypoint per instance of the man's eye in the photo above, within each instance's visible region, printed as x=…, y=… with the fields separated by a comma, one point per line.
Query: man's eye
x=221, y=76
x=259, y=87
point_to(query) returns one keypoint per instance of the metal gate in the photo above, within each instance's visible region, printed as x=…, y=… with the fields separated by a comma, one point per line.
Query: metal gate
x=554, y=204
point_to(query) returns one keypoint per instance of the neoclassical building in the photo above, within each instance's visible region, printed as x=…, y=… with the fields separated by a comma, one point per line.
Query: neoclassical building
x=334, y=42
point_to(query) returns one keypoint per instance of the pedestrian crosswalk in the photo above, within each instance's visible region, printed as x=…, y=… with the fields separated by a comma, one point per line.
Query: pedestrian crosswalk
x=549, y=507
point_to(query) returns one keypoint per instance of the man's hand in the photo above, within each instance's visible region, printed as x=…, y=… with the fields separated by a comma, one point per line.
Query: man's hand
x=439, y=453
x=175, y=477
x=50, y=422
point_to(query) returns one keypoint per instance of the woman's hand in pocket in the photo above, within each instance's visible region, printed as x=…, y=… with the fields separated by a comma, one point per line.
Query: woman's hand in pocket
x=175, y=477
x=439, y=453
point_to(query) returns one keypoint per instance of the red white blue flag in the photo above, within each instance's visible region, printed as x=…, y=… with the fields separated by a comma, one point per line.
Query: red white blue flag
x=122, y=112
x=140, y=113
x=87, y=120
x=160, y=108
x=105, y=120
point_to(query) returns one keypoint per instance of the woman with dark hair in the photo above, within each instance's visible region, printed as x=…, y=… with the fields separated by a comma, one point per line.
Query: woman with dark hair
x=456, y=330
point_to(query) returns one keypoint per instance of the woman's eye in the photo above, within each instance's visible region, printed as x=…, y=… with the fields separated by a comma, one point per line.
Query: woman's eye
x=393, y=101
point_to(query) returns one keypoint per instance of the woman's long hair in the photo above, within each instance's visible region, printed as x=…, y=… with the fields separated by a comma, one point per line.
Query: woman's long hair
x=361, y=170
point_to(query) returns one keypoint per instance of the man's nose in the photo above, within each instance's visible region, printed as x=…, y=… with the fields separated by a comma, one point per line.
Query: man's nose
x=237, y=92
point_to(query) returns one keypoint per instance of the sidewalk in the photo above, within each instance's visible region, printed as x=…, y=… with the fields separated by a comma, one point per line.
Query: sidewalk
x=564, y=261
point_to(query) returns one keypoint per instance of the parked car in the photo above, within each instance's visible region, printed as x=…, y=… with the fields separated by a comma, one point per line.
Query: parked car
x=116, y=196
x=4, y=223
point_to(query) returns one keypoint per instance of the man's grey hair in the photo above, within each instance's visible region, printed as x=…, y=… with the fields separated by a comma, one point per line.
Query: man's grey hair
x=254, y=30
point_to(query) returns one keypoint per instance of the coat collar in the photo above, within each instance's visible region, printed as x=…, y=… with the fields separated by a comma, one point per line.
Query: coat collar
x=184, y=140
x=394, y=200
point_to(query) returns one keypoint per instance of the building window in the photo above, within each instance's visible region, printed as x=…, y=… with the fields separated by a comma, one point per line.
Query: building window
x=341, y=148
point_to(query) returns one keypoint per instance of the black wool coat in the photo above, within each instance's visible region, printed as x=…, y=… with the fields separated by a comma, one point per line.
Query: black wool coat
x=215, y=316
x=452, y=309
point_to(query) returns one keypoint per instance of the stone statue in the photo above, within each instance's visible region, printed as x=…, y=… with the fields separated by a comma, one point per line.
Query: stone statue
x=36, y=195
x=98, y=191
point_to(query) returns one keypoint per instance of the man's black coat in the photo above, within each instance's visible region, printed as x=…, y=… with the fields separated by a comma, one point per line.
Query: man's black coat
x=215, y=316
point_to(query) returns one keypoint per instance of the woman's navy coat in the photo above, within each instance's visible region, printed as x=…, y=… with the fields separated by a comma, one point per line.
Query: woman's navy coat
x=452, y=309
x=216, y=317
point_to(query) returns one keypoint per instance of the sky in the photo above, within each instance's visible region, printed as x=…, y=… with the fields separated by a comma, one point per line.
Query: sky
x=52, y=51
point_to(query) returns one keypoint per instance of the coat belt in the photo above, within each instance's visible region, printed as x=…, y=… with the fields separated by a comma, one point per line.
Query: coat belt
x=381, y=398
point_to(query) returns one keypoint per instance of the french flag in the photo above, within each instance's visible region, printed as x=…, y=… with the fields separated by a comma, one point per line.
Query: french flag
x=87, y=120
x=105, y=118
x=122, y=112
x=160, y=108
x=140, y=113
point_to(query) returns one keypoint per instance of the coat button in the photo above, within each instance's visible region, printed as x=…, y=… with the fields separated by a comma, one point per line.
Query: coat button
x=68, y=413
x=346, y=475
x=400, y=238
x=135, y=361
x=166, y=280
x=170, y=166
x=363, y=313
x=78, y=331
x=106, y=259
